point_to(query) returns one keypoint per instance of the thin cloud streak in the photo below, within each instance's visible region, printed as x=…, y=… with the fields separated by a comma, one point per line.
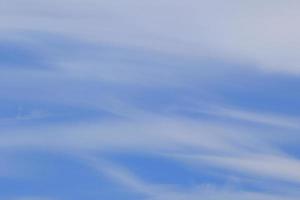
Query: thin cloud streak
x=250, y=35
x=214, y=143
x=129, y=180
x=138, y=65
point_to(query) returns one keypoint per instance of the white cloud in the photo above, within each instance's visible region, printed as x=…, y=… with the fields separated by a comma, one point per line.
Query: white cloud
x=152, y=191
x=188, y=140
x=262, y=33
x=256, y=117
x=279, y=167
x=144, y=133
x=245, y=150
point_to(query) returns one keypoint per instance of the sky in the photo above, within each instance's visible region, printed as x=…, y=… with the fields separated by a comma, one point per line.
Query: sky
x=149, y=100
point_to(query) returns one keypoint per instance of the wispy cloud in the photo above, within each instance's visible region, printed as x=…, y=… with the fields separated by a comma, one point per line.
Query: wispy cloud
x=225, y=146
x=249, y=35
x=160, y=76
x=156, y=192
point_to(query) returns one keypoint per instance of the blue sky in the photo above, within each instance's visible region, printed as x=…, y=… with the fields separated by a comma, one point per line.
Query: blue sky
x=149, y=100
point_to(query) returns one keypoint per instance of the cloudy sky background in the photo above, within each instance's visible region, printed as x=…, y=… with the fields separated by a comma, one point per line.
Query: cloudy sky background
x=153, y=100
